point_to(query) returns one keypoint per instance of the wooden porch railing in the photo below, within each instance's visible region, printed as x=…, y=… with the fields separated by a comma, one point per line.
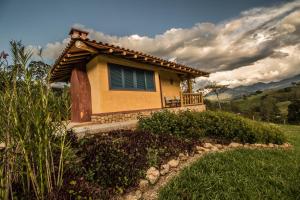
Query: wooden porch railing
x=190, y=99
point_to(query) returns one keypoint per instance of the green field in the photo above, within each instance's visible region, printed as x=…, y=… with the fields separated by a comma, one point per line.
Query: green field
x=242, y=174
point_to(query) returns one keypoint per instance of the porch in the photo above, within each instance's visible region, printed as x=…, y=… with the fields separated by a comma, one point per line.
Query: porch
x=184, y=100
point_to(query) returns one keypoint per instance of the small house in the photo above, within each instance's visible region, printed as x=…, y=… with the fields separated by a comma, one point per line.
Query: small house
x=114, y=84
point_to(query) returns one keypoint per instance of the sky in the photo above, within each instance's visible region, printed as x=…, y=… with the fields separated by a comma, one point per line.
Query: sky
x=239, y=42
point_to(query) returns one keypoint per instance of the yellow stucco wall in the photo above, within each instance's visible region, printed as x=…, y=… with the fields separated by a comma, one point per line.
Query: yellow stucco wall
x=170, y=84
x=105, y=100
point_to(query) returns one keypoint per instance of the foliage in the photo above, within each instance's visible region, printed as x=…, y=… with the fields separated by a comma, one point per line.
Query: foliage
x=31, y=128
x=222, y=125
x=269, y=111
x=39, y=70
x=241, y=174
x=217, y=89
x=118, y=159
x=269, y=105
x=294, y=112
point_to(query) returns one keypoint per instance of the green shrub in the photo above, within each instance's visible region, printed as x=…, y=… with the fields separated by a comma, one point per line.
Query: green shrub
x=220, y=125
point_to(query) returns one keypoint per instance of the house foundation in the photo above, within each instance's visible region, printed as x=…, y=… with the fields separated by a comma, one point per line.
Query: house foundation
x=104, y=118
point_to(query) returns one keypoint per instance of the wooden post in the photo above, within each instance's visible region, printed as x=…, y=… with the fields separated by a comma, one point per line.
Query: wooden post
x=190, y=86
x=181, y=99
x=81, y=109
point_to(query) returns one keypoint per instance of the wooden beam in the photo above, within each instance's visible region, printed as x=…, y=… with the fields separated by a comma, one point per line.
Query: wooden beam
x=131, y=55
x=144, y=59
x=65, y=69
x=79, y=54
x=73, y=59
x=123, y=53
x=108, y=51
x=68, y=63
x=83, y=46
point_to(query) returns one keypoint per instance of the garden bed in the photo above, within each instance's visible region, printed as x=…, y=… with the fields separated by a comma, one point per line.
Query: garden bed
x=109, y=164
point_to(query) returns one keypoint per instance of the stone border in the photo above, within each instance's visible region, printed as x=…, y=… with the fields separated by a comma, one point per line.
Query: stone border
x=155, y=178
x=112, y=117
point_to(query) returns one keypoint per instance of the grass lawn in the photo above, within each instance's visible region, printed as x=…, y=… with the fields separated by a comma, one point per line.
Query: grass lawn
x=242, y=174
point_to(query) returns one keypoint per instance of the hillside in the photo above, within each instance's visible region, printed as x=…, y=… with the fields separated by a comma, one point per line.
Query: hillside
x=238, y=92
x=260, y=103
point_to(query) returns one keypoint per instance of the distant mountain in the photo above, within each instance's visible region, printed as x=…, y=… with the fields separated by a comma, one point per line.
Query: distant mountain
x=237, y=92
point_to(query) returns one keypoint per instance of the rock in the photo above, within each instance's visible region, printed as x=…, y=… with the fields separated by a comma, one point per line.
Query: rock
x=137, y=195
x=286, y=145
x=143, y=184
x=214, y=149
x=271, y=145
x=152, y=175
x=207, y=145
x=173, y=163
x=234, y=145
x=257, y=145
x=164, y=169
x=201, y=149
x=2, y=145
x=246, y=145
x=182, y=156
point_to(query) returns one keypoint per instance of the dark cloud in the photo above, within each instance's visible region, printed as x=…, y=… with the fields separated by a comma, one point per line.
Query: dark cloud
x=263, y=41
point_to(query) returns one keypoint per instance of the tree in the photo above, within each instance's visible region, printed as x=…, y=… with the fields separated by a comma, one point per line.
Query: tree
x=217, y=89
x=294, y=112
x=39, y=70
x=269, y=111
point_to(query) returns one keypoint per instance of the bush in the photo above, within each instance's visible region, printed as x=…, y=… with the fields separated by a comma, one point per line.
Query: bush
x=294, y=112
x=117, y=160
x=219, y=125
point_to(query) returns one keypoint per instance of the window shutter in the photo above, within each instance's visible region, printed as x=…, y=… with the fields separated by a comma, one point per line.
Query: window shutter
x=116, y=77
x=140, y=80
x=128, y=78
x=122, y=77
x=149, y=80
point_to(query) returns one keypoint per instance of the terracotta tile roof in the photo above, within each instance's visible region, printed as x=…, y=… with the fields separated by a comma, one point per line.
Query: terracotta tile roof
x=81, y=50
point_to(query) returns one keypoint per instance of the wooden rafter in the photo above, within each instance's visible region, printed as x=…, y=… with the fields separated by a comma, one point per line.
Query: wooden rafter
x=81, y=45
x=77, y=54
x=74, y=59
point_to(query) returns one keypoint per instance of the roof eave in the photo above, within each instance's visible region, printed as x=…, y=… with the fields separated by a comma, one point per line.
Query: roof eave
x=96, y=48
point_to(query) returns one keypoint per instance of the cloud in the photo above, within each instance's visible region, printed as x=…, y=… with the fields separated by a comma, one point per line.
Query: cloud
x=261, y=45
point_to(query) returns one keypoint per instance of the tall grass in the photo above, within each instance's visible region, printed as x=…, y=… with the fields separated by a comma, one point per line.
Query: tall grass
x=32, y=128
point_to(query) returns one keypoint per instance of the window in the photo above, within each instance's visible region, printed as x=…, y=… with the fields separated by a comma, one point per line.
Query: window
x=125, y=78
